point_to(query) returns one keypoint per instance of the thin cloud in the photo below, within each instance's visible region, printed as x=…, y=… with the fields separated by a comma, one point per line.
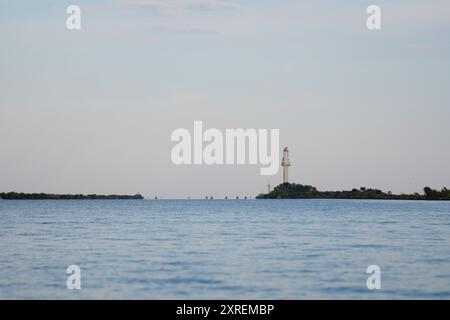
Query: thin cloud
x=212, y=5
x=158, y=8
x=168, y=7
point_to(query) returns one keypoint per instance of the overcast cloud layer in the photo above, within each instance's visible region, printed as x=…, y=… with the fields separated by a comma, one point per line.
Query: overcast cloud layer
x=92, y=111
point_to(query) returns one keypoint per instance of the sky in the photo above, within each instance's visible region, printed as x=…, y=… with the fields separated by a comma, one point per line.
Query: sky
x=92, y=110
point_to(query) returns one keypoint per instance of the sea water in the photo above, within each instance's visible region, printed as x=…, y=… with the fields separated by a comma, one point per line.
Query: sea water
x=224, y=249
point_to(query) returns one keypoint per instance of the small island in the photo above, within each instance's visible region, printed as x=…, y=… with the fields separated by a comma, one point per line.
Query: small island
x=47, y=196
x=299, y=191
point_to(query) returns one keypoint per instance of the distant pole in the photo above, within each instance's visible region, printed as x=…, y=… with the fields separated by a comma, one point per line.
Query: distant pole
x=285, y=164
x=268, y=186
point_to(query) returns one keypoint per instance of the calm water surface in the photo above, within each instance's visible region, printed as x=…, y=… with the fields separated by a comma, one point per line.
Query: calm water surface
x=255, y=249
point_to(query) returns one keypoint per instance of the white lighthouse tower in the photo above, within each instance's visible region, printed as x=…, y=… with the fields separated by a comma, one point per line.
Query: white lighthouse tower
x=285, y=163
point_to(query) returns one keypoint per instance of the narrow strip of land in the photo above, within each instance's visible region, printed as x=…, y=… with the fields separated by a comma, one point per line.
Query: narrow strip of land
x=299, y=191
x=47, y=196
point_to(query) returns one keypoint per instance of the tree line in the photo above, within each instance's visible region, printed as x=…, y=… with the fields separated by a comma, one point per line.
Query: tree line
x=299, y=191
x=47, y=196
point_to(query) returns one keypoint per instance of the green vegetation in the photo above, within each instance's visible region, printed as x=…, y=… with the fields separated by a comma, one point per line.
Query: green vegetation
x=46, y=196
x=299, y=191
x=431, y=194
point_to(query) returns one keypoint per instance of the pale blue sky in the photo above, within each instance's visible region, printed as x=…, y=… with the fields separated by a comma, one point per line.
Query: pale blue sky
x=92, y=110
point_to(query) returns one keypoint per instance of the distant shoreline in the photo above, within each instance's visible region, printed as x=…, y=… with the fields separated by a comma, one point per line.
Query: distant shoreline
x=47, y=196
x=282, y=191
x=299, y=191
